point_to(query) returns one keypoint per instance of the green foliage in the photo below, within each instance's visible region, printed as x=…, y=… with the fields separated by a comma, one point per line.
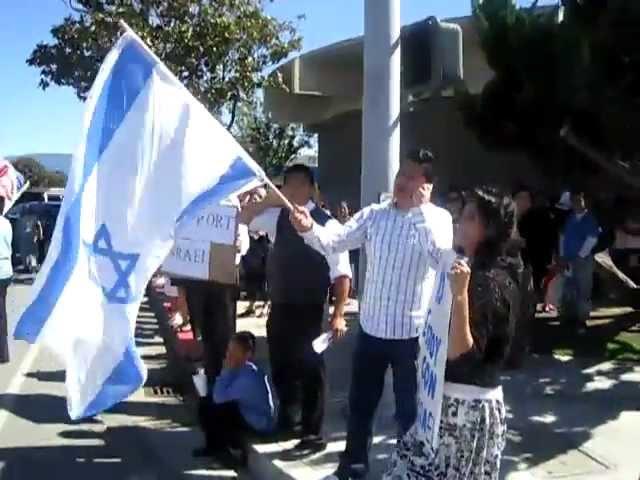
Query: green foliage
x=56, y=179
x=583, y=71
x=220, y=49
x=270, y=144
x=37, y=174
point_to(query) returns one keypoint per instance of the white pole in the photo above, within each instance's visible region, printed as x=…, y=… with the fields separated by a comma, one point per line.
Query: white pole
x=381, y=100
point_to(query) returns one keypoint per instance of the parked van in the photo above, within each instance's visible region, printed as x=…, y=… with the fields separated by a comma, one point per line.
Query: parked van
x=39, y=194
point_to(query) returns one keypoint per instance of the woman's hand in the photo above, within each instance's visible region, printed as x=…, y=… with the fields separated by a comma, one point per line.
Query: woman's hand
x=460, y=337
x=459, y=278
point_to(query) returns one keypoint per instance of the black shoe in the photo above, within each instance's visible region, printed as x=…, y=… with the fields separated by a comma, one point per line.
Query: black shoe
x=203, y=452
x=311, y=444
x=227, y=460
x=241, y=455
x=358, y=471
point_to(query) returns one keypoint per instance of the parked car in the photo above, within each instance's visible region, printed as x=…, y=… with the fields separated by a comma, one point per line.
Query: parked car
x=45, y=212
x=41, y=194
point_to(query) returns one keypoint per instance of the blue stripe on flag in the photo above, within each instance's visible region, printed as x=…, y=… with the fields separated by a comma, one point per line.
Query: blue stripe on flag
x=124, y=84
x=124, y=380
x=126, y=376
x=236, y=177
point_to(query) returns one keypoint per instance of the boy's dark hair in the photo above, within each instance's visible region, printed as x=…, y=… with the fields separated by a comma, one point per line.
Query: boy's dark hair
x=300, y=169
x=246, y=340
x=424, y=158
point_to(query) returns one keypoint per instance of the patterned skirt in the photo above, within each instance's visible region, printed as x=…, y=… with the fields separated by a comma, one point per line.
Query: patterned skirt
x=472, y=436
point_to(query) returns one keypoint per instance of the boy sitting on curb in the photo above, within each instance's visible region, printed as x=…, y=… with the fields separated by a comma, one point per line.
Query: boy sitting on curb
x=242, y=404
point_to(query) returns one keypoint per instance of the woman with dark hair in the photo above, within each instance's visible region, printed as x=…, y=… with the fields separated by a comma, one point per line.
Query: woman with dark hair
x=454, y=203
x=472, y=429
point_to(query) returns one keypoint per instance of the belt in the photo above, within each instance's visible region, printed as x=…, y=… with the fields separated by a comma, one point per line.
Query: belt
x=472, y=392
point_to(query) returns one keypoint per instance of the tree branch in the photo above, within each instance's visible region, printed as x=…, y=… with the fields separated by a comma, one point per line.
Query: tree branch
x=234, y=109
x=598, y=158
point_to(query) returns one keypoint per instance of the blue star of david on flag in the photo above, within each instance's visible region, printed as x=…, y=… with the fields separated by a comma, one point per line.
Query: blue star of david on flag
x=123, y=265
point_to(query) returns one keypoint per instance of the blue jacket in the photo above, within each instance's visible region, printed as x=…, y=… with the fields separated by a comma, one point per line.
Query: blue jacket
x=576, y=231
x=249, y=387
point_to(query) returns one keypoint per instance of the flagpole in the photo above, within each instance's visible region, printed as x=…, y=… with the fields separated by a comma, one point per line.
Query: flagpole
x=265, y=179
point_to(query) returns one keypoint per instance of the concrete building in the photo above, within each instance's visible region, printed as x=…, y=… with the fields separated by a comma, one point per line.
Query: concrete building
x=324, y=91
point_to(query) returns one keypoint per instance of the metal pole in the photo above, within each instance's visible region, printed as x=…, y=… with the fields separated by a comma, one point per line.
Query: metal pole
x=381, y=100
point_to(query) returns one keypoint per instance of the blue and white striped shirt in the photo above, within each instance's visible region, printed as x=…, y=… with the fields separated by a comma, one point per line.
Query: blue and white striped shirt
x=401, y=248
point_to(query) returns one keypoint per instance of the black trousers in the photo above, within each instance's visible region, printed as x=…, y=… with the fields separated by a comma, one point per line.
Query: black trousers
x=223, y=425
x=372, y=358
x=4, y=328
x=295, y=367
x=212, y=307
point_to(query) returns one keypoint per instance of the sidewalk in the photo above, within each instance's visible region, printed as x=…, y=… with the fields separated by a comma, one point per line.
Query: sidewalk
x=158, y=417
x=570, y=419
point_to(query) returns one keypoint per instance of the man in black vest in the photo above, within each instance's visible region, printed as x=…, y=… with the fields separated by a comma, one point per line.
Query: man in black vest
x=298, y=281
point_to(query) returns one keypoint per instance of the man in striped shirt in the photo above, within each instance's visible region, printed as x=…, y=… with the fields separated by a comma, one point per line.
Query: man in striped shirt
x=402, y=239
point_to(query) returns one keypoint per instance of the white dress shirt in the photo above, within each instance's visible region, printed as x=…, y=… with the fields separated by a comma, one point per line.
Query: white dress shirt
x=402, y=248
x=267, y=222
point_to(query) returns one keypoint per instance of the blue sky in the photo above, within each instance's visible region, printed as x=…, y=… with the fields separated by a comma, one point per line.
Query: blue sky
x=33, y=121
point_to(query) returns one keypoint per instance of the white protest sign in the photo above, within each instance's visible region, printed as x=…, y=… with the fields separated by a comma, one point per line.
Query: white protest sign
x=188, y=258
x=433, y=354
x=213, y=224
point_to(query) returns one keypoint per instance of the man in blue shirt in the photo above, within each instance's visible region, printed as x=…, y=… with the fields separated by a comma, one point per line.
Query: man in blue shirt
x=241, y=404
x=6, y=272
x=577, y=241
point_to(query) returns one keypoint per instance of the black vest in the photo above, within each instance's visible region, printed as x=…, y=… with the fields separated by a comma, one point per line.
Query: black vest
x=296, y=273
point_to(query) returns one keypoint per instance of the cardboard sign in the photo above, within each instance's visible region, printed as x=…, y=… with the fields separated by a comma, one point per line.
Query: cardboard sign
x=200, y=260
x=432, y=360
x=205, y=246
x=188, y=258
x=214, y=224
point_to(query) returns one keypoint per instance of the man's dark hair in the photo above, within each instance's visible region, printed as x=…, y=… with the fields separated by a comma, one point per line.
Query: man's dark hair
x=2, y=200
x=300, y=169
x=522, y=188
x=246, y=341
x=424, y=158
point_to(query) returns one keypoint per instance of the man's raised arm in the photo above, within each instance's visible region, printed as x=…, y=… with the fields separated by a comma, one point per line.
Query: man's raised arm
x=433, y=236
x=330, y=241
x=252, y=210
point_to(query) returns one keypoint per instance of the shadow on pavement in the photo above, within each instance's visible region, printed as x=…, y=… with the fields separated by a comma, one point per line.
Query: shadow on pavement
x=602, y=339
x=56, y=376
x=23, y=279
x=111, y=455
x=47, y=409
x=554, y=406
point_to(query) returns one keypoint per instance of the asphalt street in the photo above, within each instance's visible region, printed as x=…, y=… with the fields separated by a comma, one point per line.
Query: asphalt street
x=38, y=440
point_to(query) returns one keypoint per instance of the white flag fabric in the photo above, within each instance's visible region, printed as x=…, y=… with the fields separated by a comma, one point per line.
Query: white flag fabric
x=151, y=156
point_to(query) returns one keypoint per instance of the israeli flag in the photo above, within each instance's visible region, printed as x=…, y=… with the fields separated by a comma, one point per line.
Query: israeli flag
x=151, y=156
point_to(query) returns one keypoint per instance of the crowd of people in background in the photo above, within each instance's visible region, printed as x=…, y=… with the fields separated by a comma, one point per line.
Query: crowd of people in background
x=519, y=245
